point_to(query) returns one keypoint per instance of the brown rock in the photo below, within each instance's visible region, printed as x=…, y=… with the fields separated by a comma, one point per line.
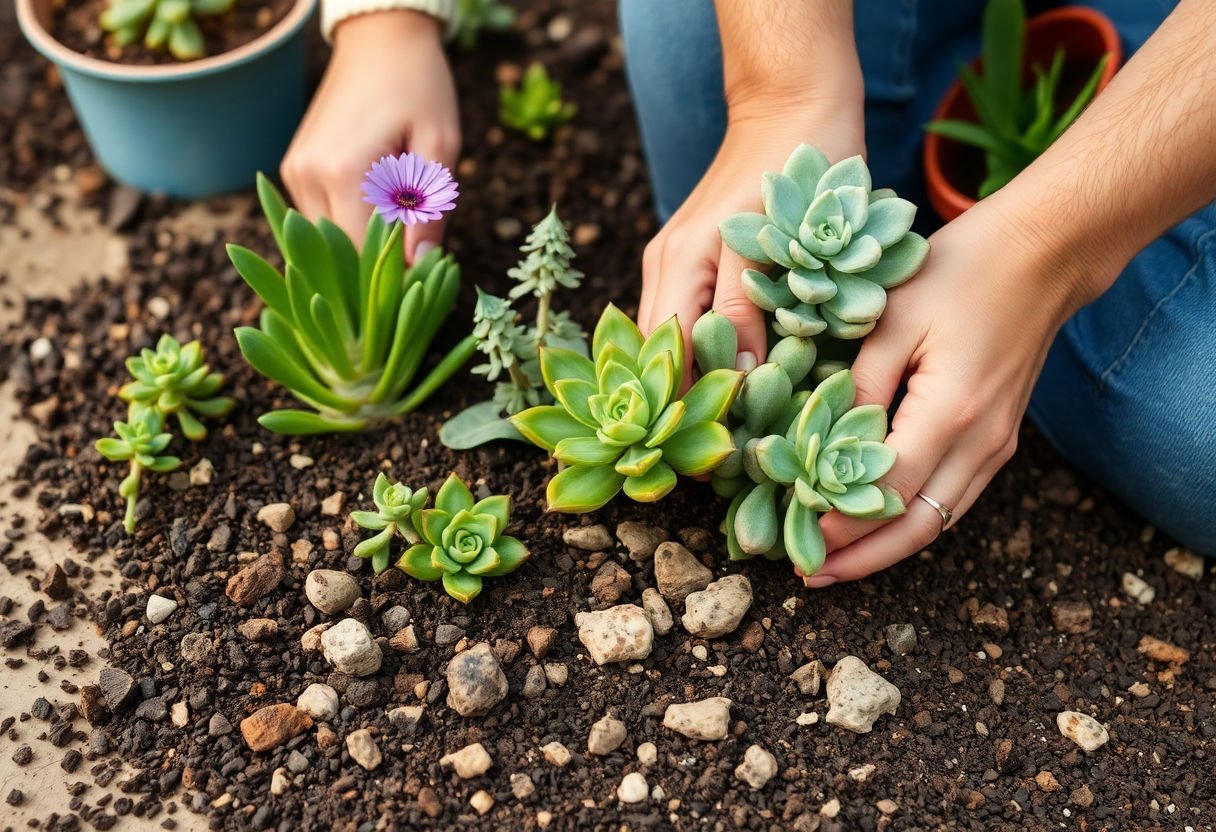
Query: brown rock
x=1047, y=781
x=753, y=636
x=541, y=640
x=1162, y=651
x=1073, y=617
x=257, y=580
x=270, y=727
x=610, y=583
x=258, y=629
x=677, y=573
x=1082, y=797
x=55, y=583
x=92, y=704
x=992, y=619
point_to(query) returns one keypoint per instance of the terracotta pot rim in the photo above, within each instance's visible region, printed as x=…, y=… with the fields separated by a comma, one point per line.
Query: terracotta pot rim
x=42, y=40
x=940, y=188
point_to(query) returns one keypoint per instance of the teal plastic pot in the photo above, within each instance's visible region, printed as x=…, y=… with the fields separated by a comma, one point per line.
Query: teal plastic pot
x=188, y=130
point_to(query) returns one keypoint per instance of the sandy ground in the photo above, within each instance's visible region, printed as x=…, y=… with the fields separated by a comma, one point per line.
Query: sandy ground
x=41, y=258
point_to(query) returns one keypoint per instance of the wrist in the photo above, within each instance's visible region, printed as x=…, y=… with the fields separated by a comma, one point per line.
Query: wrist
x=391, y=26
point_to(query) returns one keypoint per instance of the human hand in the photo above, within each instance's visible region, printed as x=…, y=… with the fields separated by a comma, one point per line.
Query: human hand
x=686, y=268
x=969, y=334
x=388, y=89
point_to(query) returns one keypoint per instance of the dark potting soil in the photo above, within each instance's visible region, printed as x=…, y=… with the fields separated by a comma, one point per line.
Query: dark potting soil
x=1018, y=611
x=76, y=26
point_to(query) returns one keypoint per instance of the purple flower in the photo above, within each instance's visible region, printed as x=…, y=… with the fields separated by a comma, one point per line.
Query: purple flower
x=410, y=189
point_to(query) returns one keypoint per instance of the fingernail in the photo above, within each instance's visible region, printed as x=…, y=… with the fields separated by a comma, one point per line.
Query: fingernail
x=422, y=248
x=819, y=581
x=745, y=361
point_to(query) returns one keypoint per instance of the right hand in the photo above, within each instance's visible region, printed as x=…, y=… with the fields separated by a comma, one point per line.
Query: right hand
x=388, y=89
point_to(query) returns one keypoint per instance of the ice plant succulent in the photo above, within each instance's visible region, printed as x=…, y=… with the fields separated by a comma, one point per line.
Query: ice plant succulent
x=830, y=247
x=348, y=332
x=463, y=541
x=617, y=423
x=162, y=24
x=512, y=348
x=535, y=107
x=470, y=17
x=825, y=455
x=174, y=381
x=141, y=442
x=397, y=505
x=1014, y=125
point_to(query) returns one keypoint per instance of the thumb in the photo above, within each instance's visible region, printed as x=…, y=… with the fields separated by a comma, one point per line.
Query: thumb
x=731, y=300
x=880, y=366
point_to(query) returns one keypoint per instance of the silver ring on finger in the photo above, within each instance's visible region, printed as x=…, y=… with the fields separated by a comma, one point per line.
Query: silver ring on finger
x=946, y=514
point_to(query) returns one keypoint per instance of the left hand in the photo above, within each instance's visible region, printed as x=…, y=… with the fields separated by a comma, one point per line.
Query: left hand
x=969, y=334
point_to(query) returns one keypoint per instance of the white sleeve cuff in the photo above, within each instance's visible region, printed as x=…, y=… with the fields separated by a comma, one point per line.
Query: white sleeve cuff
x=334, y=12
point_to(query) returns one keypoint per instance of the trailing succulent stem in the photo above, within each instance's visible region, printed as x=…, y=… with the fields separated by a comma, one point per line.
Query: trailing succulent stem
x=471, y=17
x=535, y=107
x=397, y=507
x=347, y=333
x=140, y=442
x=617, y=423
x=163, y=24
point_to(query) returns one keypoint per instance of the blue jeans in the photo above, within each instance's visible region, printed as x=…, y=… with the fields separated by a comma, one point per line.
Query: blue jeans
x=1128, y=393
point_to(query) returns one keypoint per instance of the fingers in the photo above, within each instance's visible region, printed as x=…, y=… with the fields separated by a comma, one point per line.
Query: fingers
x=676, y=281
x=731, y=300
x=440, y=143
x=880, y=366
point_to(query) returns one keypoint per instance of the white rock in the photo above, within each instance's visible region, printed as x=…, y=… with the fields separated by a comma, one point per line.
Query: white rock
x=350, y=648
x=757, y=768
x=159, y=608
x=860, y=774
x=363, y=749
x=700, y=652
x=310, y=642
x=179, y=714
x=556, y=674
x=633, y=788
x=331, y=591
x=41, y=348
x=606, y=736
x=857, y=696
x=809, y=677
x=481, y=801
x=589, y=538
x=543, y=819
x=1138, y=589
x=708, y=719
x=202, y=472
x=300, y=461
x=407, y=718
x=476, y=682
x=280, y=781
x=657, y=610
x=618, y=634
x=556, y=754
x=648, y=754
x=522, y=786
x=332, y=505
x=470, y=761
x=717, y=609
x=319, y=701
x=278, y=517
x=807, y=718
x=830, y=809
x=1185, y=562
x=1082, y=729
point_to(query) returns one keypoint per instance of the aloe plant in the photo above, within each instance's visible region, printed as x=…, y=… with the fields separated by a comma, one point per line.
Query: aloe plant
x=824, y=455
x=617, y=423
x=162, y=24
x=471, y=17
x=511, y=348
x=346, y=332
x=397, y=506
x=831, y=246
x=141, y=442
x=1014, y=125
x=174, y=381
x=535, y=107
x=463, y=541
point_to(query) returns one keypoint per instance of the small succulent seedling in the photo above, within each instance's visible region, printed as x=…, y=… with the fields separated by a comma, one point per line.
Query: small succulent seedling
x=348, y=332
x=825, y=455
x=510, y=347
x=397, y=505
x=535, y=107
x=174, y=381
x=1014, y=125
x=162, y=23
x=617, y=423
x=832, y=244
x=463, y=541
x=471, y=17
x=141, y=443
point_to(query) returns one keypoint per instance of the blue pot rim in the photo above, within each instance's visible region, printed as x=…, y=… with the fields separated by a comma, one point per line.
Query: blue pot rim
x=56, y=52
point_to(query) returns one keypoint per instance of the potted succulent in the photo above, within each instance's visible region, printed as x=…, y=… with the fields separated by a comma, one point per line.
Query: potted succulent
x=160, y=113
x=1031, y=82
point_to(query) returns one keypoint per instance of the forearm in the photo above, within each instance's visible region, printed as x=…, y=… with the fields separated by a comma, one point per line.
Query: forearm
x=779, y=55
x=1141, y=158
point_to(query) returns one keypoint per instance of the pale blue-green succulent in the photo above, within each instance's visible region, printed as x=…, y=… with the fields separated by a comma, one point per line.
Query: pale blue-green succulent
x=826, y=455
x=175, y=381
x=162, y=24
x=397, y=506
x=831, y=244
x=141, y=442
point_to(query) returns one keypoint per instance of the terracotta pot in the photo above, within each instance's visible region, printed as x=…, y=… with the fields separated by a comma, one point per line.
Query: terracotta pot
x=1085, y=34
x=188, y=129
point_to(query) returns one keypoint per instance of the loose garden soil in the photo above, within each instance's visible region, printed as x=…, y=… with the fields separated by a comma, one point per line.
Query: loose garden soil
x=76, y=26
x=1018, y=611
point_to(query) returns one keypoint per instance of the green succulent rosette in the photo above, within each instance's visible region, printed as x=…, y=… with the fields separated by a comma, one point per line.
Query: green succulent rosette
x=832, y=243
x=829, y=457
x=463, y=541
x=617, y=423
x=141, y=443
x=162, y=24
x=174, y=381
x=535, y=108
x=396, y=507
